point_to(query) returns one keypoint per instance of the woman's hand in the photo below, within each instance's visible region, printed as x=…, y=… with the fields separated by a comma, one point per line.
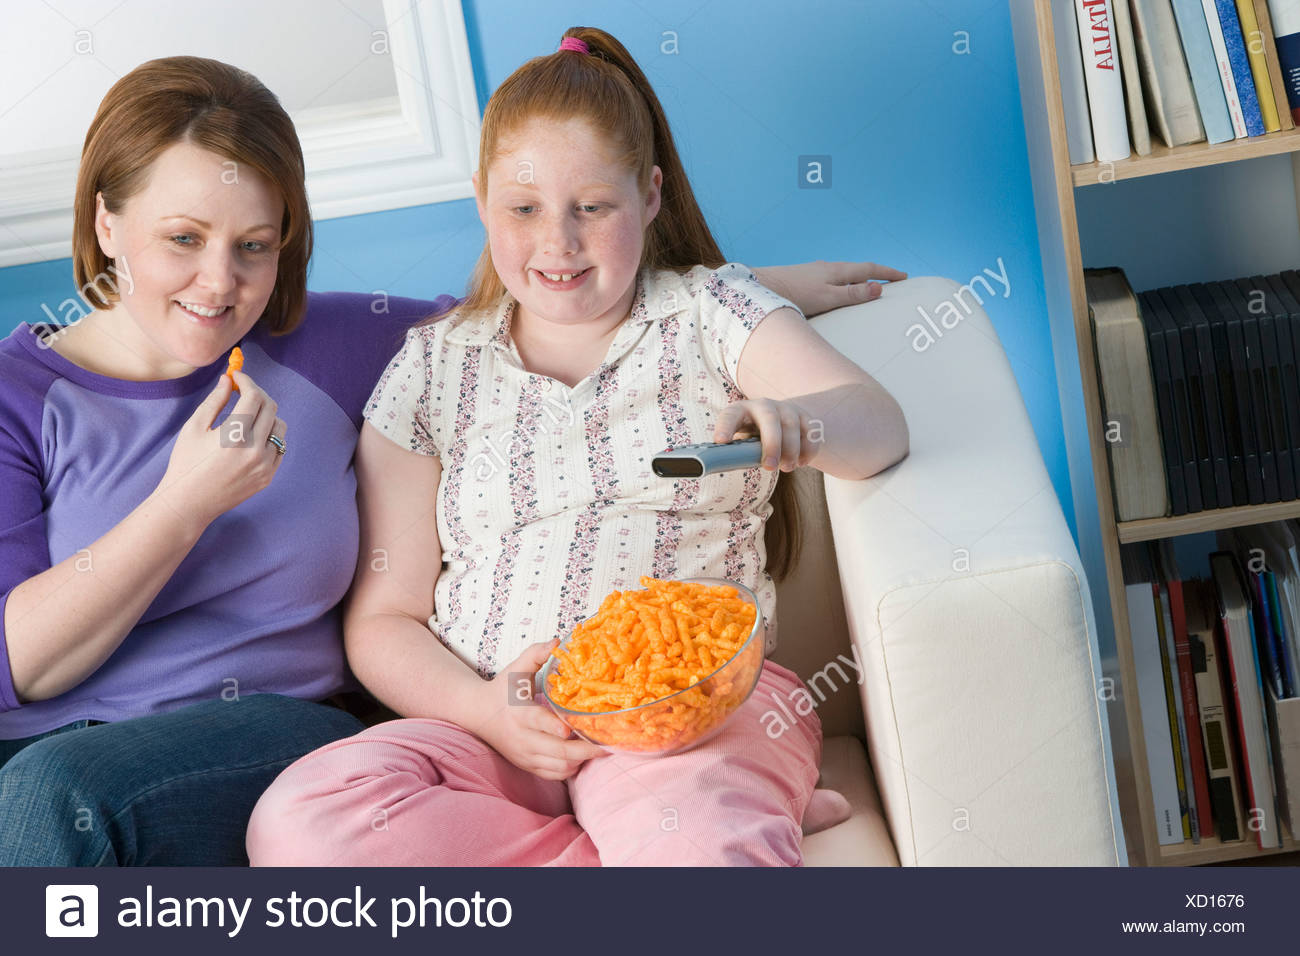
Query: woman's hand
x=525, y=732
x=58, y=636
x=211, y=470
x=817, y=287
x=783, y=426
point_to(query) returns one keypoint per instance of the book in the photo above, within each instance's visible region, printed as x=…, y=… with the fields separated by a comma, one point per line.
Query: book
x=1204, y=69
x=1235, y=398
x=1222, y=784
x=1276, y=83
x=1182, y=405
x=1212, y=300
x=1286, y=37
x=1182, y=690
x=1239, y=64
x=1225, y=441
x=1172, y=451
x=1284, y=732
x=1245, y=325
x=1264, y=423
x=1173, y=711
x=1270, y=55
x=1223, y=65
x=1262, y=618
x=1140, y=595
x=1286, y=316
x=1101, y=75
x=1254, y=292
x=1286, y=685
x=1247, y=698
x=1170, y=101
x=1277, y=410
x=1198, y=359
x=1286, y=469
x=1128, y=397
x=1139, y=130
x=1288, y=293
x=1074, y=97
x=1266, y=564
x=1291, y=279
x=1254, y=45
x=1280, y=554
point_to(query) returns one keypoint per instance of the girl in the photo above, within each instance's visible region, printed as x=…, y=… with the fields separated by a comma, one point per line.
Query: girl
x=511, y=443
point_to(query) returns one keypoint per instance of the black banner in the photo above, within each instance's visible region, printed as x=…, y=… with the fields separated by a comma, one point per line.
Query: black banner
x=194, y=911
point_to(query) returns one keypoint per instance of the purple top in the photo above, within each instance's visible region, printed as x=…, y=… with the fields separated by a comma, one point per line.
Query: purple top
x=253, y=607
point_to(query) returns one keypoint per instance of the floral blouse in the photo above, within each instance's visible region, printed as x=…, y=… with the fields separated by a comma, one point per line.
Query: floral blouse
x=547, y=500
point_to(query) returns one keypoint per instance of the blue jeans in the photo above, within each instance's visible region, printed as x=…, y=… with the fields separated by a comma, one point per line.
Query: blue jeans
x=172, y=789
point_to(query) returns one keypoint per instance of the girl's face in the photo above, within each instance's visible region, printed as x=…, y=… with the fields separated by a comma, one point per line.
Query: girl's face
x=565, y=222
x=196, y=252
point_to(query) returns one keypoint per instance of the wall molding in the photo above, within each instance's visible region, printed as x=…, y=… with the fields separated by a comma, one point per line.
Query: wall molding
x=418, y=147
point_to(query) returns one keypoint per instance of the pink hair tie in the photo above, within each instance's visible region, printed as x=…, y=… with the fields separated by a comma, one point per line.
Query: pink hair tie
x=574, y=44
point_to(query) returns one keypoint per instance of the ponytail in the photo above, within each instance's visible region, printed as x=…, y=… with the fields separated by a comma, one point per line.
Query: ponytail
x=679, y=238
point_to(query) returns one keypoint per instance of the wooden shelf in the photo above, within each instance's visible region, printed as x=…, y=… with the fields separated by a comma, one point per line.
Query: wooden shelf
x=1210, y=850
x=1162, y=159
x=1151, y=529
x=1056, y=192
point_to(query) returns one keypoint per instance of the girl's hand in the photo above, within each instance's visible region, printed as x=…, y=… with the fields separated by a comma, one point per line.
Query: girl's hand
x=817, y=287
x=783, y=427
x=526, y=732
x=211, y=470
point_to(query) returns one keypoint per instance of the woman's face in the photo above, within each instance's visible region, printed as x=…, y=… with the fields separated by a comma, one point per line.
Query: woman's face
x=566, y=222
x=196, y=253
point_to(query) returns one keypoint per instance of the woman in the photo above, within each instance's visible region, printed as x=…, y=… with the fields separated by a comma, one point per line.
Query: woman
x=169, y=577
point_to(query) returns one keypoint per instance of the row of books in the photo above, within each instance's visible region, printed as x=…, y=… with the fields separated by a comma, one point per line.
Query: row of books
x=1200, y=391
x=1215, y=660
x=1191, y=70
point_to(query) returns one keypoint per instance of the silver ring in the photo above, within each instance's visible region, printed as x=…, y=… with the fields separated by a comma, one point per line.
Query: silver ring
x=278, y=442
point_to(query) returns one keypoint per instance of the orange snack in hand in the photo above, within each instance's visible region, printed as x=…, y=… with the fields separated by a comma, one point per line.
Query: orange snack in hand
x=236, y=365
x=644, y=646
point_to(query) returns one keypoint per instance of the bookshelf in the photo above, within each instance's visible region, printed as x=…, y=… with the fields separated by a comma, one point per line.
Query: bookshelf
x=1056, y=184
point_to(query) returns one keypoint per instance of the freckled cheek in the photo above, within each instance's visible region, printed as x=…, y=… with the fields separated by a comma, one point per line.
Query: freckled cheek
x=619, y=246
x=510, y=249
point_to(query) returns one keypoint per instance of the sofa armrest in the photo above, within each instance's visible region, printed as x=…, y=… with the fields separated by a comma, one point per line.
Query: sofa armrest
x=967, y=604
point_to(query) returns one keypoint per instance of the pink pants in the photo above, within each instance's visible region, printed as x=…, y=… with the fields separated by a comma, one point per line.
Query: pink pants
x=424, y=792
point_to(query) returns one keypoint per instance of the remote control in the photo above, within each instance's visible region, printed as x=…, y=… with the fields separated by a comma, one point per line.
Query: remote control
x=695, y=461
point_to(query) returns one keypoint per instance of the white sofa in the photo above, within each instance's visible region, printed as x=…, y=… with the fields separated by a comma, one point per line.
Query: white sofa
x=954, y=580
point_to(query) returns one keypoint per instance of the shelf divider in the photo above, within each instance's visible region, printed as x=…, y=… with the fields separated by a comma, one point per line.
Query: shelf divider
x=1151, y=529
x=1162, y=159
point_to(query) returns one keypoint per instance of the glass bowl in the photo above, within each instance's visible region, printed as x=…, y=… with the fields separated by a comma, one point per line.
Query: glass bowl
x=653, y=728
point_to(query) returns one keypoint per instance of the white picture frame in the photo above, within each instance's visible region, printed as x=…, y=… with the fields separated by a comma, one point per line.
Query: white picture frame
x=416, y=148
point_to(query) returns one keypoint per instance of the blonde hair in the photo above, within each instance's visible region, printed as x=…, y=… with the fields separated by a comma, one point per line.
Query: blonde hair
x=607, y=88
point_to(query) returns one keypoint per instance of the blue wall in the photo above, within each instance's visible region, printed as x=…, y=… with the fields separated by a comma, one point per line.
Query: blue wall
x=928, y=164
